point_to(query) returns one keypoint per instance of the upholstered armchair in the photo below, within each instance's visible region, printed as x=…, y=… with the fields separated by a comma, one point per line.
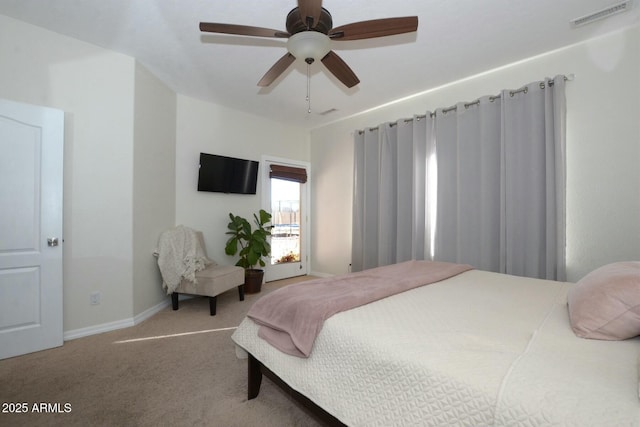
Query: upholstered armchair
x=201, y=276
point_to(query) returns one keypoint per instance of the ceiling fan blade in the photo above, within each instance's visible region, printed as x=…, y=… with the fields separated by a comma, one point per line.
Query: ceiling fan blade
x=243, y=30
x=375, y=28
x=310, y=9
x=278, y=68
x=340, y=69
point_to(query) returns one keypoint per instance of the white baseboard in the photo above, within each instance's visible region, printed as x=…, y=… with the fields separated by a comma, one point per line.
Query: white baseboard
x=118, y=324
x=97, y=329
x=320, y=274
x=150, y=311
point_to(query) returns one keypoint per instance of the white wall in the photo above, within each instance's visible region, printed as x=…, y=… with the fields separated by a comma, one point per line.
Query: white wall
x=209, y=128
x=119, y=174
x=154, y=185
x=95, y=89
x=130, y=169
x=603, y=151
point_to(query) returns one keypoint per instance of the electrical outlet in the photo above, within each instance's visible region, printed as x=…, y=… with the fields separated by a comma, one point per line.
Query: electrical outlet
x=95, y=298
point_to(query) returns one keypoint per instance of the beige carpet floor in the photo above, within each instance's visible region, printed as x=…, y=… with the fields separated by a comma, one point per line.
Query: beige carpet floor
x=177, y=368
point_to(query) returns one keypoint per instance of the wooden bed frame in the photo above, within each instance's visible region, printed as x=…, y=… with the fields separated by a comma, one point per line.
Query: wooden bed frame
x=255, y=372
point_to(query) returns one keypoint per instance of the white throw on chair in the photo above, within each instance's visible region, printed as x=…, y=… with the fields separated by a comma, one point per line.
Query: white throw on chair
x=186, y=269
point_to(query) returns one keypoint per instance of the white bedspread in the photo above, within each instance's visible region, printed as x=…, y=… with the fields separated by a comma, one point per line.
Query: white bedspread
x=479, y=349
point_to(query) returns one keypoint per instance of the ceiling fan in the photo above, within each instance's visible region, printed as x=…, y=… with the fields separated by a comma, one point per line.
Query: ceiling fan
x=309, y=32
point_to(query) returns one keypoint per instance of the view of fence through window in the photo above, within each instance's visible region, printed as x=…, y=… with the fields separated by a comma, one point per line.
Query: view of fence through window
x=285, y=211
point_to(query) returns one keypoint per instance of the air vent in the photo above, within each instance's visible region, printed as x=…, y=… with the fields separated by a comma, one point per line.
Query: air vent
x=601, y=14
x=329, y=111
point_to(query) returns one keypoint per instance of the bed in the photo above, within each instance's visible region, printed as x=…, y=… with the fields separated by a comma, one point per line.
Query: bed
x=476, y=349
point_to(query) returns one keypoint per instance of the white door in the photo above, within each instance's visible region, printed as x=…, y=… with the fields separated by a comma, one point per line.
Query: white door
x=31, y=156
x=288, y=203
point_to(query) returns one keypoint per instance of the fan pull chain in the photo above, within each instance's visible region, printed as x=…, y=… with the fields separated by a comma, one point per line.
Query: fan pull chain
x=308, y=87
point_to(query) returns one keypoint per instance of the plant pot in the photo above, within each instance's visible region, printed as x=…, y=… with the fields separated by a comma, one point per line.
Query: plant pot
x=253, y=280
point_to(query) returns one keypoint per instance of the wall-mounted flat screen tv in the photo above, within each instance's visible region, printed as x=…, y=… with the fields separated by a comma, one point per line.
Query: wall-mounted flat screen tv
x=220, y=174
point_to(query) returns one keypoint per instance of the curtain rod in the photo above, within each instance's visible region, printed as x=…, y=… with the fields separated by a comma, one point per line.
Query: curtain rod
x=523, y=89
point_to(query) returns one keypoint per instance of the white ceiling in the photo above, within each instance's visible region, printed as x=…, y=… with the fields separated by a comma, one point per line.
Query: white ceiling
x=455, y=39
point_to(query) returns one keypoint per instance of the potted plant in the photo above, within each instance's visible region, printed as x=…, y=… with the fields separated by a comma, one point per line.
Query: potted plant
x=253, y=246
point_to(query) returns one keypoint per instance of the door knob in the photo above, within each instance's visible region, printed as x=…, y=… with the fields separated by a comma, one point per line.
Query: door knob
x=52, y=241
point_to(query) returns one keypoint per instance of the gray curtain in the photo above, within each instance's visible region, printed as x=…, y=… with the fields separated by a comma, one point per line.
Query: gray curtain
x=390, y=209
x=500, y=185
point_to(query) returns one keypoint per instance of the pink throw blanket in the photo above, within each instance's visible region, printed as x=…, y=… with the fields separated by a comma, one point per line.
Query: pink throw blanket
x=290, y=318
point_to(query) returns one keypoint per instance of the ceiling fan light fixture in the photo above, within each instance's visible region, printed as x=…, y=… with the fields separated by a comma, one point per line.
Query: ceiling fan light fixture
x=310, y=35
x=309, y=45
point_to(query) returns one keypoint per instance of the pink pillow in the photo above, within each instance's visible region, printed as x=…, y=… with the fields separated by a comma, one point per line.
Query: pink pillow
x=605, y=304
